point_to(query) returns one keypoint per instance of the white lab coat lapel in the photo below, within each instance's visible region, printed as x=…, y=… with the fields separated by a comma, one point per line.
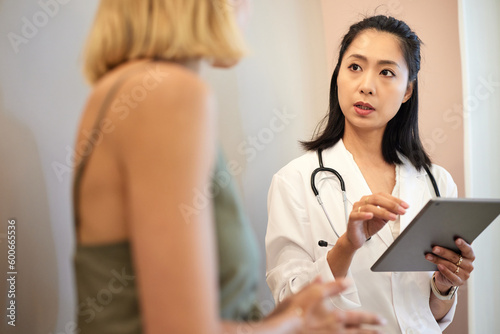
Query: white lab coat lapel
x=413, y=190
x=338, y=158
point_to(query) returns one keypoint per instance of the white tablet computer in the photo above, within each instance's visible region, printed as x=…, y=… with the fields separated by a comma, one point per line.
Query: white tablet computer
x=439, y=223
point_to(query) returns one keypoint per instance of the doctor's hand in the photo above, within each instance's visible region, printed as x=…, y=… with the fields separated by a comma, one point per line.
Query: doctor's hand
x=453, y=269
x=310, y=306
x=370, y=215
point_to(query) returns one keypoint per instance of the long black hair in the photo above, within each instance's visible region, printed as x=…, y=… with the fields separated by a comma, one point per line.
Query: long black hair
x=401, y=134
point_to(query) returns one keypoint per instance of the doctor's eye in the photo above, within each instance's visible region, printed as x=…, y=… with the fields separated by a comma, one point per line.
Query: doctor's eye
x=388, y=73
x=354, y=67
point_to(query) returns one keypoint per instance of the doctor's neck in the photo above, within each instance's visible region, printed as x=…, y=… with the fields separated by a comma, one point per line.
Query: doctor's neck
x=364, y=144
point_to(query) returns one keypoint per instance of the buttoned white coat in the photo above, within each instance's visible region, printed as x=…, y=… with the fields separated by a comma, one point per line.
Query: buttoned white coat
x=297, y=222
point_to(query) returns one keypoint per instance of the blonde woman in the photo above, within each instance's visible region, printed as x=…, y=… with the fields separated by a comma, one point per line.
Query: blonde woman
x=146, y=259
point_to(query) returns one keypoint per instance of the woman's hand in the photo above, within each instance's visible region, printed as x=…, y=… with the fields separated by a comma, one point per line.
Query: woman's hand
x=370, y=215
x=309, y=306
x=453, y=269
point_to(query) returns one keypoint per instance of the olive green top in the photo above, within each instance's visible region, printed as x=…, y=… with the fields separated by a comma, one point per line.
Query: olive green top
x=105, y=276
x=106, y=290
x=107, y=294
x=237, y=250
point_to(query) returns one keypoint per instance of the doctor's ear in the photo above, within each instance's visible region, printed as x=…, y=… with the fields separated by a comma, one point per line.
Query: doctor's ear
x=409, y=91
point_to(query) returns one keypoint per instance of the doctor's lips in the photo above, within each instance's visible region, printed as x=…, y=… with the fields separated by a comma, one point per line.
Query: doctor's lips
x=363, y=108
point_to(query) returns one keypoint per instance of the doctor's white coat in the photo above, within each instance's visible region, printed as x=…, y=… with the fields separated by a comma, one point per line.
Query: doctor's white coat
x=297, y=222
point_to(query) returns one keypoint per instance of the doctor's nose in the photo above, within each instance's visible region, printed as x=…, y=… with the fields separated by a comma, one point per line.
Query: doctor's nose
x=367, y=86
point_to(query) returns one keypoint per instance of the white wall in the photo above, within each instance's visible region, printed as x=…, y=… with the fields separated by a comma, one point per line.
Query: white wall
x=41, y=96
x=481, y=49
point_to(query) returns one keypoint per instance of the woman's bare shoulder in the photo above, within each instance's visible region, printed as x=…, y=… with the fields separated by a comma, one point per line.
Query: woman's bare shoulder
x=137, y=82
x=160, y=105
x=145, y=92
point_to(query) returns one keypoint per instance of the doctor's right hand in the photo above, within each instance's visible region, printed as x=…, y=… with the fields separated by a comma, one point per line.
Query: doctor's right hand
x=370, y=214
x=309, y=308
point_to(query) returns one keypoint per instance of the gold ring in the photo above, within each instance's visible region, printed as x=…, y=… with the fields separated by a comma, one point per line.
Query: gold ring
x=359, y=209
x=457, y=271
x=459, y=261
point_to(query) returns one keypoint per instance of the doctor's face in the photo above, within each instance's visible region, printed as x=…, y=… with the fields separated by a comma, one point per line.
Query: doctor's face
x=372, y=81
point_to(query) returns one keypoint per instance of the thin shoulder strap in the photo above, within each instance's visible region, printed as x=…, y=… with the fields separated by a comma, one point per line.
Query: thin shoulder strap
x=82, y=164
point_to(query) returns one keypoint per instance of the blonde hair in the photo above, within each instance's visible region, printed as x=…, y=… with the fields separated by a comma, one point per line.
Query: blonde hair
x=174, y=30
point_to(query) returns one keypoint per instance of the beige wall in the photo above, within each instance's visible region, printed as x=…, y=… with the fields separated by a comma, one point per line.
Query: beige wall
x=440, y=90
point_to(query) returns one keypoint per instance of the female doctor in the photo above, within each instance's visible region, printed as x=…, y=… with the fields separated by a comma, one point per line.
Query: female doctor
x=371, y=139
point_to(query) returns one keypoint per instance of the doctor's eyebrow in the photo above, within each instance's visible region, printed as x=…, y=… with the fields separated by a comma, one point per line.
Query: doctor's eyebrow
x=380, y=62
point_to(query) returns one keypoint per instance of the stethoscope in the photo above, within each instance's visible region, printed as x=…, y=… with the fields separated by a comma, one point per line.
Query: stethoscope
x=322, y=168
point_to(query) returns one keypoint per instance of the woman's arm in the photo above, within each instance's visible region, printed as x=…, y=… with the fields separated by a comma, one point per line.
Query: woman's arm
x=167, y=152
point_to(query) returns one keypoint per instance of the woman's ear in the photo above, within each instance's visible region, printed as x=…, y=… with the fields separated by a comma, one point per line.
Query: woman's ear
x=409, y=91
